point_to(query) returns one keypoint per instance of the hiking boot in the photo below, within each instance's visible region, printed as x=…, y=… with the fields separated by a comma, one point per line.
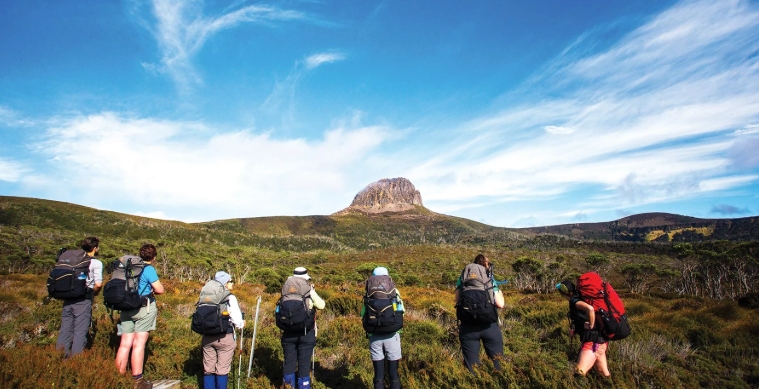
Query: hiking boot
x=580, y=381
x=142, y=384
x=607, y=382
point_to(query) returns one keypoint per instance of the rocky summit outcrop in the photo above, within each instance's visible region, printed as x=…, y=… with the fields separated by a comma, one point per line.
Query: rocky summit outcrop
x=386, y=195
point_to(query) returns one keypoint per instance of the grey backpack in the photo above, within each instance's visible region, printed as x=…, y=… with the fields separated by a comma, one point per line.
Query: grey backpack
x=120, y=292
x=212, y=310
x=292, y=312
x=476, y=300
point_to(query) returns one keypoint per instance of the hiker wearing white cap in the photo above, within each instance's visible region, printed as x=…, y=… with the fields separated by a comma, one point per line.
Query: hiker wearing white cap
x=219, y=348
x=477, y=300
x=382, y=318
x=296, y=317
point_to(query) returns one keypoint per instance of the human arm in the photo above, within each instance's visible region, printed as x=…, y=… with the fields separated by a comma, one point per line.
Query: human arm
x=316, y=300
x=499, y=301
x=150, y=275
x=235, y=314
x=96, y=274
x=157, y=287
x=589, y=311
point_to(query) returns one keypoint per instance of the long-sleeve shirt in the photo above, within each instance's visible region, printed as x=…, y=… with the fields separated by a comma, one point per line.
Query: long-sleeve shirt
x=315, y=301
x=235, y=315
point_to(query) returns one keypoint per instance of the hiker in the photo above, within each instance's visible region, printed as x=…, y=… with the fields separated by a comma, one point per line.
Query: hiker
x=219, y=349
x=582, y=318
x=477, y=298
x=296, y=311
x=136, y=324
x=382, y=317
x=77, y=312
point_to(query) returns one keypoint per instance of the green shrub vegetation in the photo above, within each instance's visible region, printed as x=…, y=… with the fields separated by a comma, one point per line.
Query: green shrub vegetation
x=692, y=306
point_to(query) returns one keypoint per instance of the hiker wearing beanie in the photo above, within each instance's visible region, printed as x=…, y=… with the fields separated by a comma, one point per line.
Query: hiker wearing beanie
x=136, y=324
x=477, y=299
x=582, y=319
x=219, y=349
x=295, y=316
x=382, y=318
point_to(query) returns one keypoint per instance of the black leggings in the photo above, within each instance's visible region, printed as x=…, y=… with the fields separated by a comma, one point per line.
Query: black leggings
x=470, y=336
x=392, y=372
x=298, y=348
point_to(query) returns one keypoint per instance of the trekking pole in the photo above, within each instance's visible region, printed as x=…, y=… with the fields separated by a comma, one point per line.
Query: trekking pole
x=239, y=362
x=313, y=352
x=253, y=342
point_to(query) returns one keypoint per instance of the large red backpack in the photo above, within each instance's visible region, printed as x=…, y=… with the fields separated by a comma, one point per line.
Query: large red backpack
x=607, y=304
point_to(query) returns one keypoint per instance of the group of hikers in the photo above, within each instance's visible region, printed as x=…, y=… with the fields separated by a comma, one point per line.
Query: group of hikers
x=477, y=299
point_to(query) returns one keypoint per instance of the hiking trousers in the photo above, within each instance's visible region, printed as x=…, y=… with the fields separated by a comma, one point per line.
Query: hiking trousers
x=470, y=336
x=75, y=323
x=297, y=348
x=218, y=352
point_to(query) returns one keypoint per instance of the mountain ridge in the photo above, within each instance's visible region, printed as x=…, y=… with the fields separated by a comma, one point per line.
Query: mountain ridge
x=417, y=224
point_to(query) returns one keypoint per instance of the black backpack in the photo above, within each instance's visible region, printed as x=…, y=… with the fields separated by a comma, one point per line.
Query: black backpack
x=68, y=279
x=476, y=303
x=211, y=315
x=381, y=314
x=120, y=292
x=292, y=312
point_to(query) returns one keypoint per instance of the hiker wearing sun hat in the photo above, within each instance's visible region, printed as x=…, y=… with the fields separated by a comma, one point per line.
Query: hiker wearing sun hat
x=296, y=317
x=582, y=321
x=382, y=318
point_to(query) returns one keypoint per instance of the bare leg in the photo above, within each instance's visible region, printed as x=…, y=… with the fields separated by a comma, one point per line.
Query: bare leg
x=138, y=351
x=585, y=361
x=602, y=366
x=122, y=355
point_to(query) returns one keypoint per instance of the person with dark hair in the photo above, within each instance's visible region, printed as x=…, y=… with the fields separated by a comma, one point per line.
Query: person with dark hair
x=582, y=321
x=77, y=313
x=476, y=290
x=137, y=324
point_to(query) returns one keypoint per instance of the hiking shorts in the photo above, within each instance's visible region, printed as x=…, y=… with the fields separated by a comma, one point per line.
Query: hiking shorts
x=598, y=348
x=139, y=320
x=385, y=346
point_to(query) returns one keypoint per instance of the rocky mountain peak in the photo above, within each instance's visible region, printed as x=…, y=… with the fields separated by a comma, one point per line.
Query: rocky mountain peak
x=387, y=195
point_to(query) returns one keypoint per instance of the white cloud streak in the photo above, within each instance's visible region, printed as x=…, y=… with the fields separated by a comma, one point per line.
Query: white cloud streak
x=653, y=118
x=11, y=171
x=322, y=58
x=283, y=94
x=181, y=29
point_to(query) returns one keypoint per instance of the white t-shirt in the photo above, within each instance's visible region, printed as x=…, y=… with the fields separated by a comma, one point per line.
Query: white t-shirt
x=95, y=276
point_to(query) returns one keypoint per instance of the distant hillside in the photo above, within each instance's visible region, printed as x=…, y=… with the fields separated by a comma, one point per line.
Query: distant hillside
x=658, y=227
x=354, y=229
x=345, y=231
x=364, y=230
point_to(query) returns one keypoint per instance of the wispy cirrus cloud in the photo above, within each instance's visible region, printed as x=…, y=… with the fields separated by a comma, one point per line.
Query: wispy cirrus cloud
x=652, y=118
x=170, y=167
x=322, y=58
x=182, y=28
x=11, y=171
x=558, y=130
x=11, y=118
x=283, y=95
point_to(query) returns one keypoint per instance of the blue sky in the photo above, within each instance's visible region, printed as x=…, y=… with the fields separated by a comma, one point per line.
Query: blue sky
x=511, y=113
